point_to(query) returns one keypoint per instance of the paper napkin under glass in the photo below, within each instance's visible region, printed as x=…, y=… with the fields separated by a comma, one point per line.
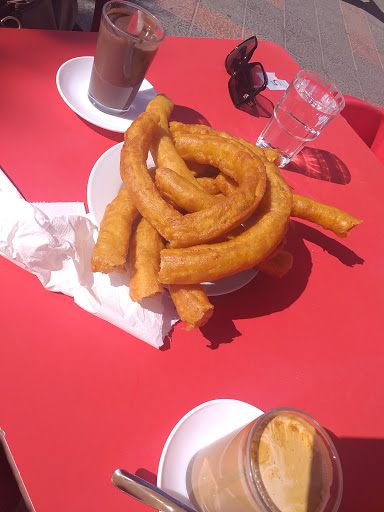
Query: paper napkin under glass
x=55, y=242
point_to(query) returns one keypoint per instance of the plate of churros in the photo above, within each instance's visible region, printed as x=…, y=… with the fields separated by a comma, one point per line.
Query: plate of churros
x=72, y=80
x=104, y=184
x=213, y=207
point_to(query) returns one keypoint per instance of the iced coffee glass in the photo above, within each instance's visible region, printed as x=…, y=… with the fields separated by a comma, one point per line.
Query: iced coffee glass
x=309, y=104
x=283, y=461
x=127, y=43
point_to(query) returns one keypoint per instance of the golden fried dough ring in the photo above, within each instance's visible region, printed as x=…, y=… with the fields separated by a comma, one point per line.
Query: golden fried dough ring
x=271, y=155
x=209, y=185
x=278, y=265
x=192, y=304
x=230, y=157
x=226, y=184
x=200, y=169
x=198, y=227
x=134, y=172
x=144, y=262
x=111, y=249
x=162, y=148
x=323, y=215
x=212, y=261
x=182, y=192
x=328, y=217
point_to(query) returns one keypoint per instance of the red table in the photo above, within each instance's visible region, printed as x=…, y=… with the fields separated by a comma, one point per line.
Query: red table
x=80, y=398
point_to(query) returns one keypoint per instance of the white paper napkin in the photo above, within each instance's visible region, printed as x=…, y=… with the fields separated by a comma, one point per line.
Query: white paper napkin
x=55, y=242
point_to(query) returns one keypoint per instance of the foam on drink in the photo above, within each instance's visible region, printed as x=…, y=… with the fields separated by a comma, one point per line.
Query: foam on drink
x=291, y=465
x=281, y=462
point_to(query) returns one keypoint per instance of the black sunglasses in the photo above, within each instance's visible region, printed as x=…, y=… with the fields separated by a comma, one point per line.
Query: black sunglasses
x=247, y=80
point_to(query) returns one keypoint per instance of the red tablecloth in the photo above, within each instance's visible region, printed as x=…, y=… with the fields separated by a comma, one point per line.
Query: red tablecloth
x=80, y=398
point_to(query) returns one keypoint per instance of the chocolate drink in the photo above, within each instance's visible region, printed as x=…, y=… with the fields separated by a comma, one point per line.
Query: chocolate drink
x=289, y=470
x=121, y=59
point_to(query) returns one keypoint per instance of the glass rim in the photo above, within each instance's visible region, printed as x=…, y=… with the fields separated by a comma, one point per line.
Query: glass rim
x=334, y=456
x=136, y=7
x=336, y=93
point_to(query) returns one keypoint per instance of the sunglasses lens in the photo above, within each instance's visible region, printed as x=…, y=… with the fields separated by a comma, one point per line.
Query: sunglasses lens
x=246, y=83
x=240, y=55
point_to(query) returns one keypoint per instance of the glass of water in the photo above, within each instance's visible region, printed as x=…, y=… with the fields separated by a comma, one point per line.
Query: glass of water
x=307, y=106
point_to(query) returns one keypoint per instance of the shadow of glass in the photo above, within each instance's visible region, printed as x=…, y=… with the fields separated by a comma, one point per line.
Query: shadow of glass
x=320, y=165
x=361, y=460
x=263, y=107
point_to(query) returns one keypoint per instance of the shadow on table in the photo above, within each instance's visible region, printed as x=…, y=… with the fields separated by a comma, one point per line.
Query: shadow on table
x=108, y=134
x=321, y=165
x=266, y=295
x=180, y=113
x=263, y=107
x=361, y=461
x=188, y=115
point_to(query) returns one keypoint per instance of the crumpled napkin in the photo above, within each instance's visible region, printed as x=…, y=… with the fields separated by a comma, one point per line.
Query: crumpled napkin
x=55, y=242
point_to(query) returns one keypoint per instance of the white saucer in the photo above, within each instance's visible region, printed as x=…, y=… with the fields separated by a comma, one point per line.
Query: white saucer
x=200, y=427
x=72, y=80
x=104, y=184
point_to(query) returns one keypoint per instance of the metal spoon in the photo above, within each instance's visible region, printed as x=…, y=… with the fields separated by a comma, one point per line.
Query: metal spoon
x=147, y=493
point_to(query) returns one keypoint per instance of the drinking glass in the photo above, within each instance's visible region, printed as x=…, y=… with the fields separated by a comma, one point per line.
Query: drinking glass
x=128, y=40
x=307, y=106
x=283, y=460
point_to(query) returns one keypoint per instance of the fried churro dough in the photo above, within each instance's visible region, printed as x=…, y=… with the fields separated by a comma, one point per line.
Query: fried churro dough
x=238, y=209
x=182, y=192
x=162, y=148
x=201, y=226
x=111, y=249
x=144, y=262
x=278, y=265
x=270, y=155
x=328, y=217
x=192, y=304
x=209, y=185
x=134, y=172
x=209, y=262
x=226, y=184
x=200, y=169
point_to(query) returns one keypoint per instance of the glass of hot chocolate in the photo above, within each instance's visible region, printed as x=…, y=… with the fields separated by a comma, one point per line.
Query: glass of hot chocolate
x=128, y=40
x=283, y=461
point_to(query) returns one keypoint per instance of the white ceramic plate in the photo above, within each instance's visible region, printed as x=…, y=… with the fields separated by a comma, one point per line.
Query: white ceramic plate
x=104, y=184
x=200, y=427
x=72, y=80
